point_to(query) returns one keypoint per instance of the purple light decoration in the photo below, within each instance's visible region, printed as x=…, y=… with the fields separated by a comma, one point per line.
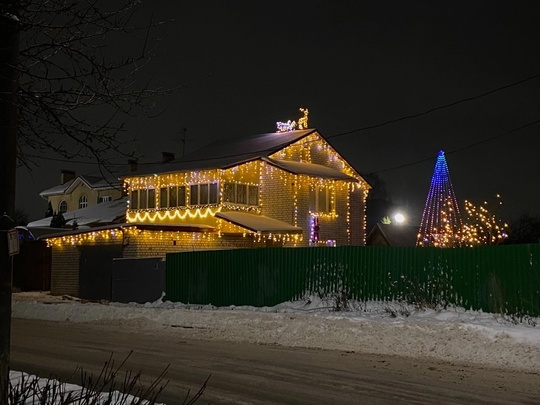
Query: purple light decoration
x=441, y=221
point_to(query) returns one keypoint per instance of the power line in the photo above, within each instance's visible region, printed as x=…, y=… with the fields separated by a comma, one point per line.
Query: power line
x=471, y=145
x=440, y=107
x=403, y=118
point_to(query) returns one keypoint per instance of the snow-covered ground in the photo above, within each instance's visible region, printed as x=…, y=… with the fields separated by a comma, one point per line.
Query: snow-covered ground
x=453, y=334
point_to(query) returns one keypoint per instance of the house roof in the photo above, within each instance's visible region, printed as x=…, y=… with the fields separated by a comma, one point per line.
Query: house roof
x=93, y=182
x=226, y=153
x=394, y=235
x=258, y=223
x=310, y=169
x=100, y=214
x=145, y=226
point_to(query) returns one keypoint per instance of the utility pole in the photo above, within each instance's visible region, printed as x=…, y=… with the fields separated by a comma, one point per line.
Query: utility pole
x=9, y=56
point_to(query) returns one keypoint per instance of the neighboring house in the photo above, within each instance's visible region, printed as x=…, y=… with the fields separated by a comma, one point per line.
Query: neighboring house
x=78, y=191
x=285, y=189
x=83, y=219
x=392, y=235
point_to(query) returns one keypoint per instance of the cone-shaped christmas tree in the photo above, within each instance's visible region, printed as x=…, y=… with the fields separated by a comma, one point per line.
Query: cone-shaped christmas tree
x=441, y=222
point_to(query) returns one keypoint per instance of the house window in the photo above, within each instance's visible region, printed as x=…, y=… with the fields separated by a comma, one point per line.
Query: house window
x=143, y=199
x=83, y=202
x=320, y=200
x=134, y=201
x=151, y=198
x=62, y=207
x=171, y=197
x=253, y=195
x=104, y=198
x=241, y=194
x=203, y=194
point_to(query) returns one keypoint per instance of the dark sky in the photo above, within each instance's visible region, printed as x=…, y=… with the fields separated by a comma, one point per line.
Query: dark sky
x=248, y=64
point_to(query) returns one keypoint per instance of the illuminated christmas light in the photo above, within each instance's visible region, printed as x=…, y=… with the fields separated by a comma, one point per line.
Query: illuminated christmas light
x=303, y=122
x=482, y=227
x=286, y=126
x=441, y=222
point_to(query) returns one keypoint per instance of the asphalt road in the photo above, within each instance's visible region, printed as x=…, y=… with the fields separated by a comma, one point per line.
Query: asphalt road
x=261, y=374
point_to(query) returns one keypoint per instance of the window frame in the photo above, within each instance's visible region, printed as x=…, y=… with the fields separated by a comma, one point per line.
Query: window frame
x=83, y=201
x=315, y=200
x=62, y=203
x=233, y=195
x=197, y=191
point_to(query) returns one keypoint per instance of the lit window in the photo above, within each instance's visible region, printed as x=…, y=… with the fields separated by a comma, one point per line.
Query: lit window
x=104, y=198
x=151, y=198
x=172, y=197
x=143, y=199
x=62, y=207
x=134, y=202
x=203, y=194
x=241, y=194
x=320, y=200
x=83, y=202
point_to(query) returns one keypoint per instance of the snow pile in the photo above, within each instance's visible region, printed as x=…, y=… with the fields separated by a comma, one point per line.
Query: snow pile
x=454, y=334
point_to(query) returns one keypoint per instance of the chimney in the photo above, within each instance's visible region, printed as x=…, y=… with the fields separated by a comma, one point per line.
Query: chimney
x=167, y=156
x=132, y=165
x=66, y=175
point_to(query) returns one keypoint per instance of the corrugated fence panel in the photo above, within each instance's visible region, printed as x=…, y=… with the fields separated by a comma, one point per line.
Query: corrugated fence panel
x=490, y=278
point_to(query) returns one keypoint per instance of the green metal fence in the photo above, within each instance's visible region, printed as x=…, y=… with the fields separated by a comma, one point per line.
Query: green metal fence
x=490, y=278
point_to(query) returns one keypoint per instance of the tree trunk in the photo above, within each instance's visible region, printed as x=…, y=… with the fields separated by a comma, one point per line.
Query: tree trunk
x=9, y=49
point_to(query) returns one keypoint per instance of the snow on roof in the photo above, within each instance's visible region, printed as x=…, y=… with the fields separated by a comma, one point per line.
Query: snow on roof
x=60, y=232
x=310, y=169
x=226, y=153
x=59, y=189
x=102, y=213
x=258, y=223
x=93, y=182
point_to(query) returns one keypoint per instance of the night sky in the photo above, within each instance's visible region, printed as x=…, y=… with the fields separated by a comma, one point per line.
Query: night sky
x=245, y=65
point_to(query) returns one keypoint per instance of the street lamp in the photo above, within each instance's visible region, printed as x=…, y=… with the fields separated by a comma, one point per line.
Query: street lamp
x=399, y=218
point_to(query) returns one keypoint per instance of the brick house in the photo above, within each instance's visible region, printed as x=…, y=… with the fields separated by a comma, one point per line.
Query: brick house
x=282, y=189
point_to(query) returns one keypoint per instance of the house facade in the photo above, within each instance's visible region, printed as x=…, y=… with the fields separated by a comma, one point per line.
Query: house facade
x=277, y=189
x=81, y=191
x=282, y=189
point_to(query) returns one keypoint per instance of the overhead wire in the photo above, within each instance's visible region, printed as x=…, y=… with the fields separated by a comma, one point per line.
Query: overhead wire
x=369, y=127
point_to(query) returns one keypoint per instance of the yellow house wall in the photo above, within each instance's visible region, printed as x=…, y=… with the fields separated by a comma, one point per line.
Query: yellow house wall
x=72, y=199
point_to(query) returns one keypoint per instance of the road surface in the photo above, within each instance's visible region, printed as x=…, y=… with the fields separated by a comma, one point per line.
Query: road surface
x=262, y=374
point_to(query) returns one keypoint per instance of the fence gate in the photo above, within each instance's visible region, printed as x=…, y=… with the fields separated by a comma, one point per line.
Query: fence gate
x=95, y=271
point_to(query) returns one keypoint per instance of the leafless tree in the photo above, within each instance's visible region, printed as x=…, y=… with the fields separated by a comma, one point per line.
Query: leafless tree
x=66, y=86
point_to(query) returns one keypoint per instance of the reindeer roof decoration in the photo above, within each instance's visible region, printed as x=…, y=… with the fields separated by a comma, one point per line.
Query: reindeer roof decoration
x=291, y=125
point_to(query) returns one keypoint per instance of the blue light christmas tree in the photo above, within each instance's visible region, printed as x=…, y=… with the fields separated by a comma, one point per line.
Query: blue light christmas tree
x=441, y=222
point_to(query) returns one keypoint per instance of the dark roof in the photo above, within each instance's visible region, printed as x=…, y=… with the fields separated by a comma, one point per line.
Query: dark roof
x=226, y=153
x=393, y=235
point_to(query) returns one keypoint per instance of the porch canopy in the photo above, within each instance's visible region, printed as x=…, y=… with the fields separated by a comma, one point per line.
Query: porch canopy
x=258, y=223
